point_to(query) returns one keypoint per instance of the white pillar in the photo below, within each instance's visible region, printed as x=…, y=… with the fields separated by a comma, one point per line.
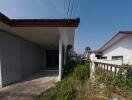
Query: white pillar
x=60, y=59
x=92, y=65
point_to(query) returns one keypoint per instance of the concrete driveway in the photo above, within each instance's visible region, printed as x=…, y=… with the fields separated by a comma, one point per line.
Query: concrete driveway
x=29, y=88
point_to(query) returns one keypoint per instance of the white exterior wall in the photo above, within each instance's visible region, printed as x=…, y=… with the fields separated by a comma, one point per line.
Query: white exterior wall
x=18, y=58
x=31, y=58
x=67, y=35
x=123, y=47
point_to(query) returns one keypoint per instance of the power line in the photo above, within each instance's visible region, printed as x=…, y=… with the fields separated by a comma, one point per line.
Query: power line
x=72, y=7
x=68, y=8
x=75, y=9
x=65, y=9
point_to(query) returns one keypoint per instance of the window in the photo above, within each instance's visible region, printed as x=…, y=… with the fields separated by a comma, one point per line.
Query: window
x=104, y=57
x=117, y=57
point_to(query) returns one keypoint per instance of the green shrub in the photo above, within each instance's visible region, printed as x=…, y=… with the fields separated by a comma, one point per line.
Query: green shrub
x=109, y=77
x=122, y=84
x=104, y=80
x=103, y=76
x=119, y=83
x=82, y=72
x=98, y=71
x=65, y=89
x=100, y=75
x=120, y=79
x=49, y=94
x=69, y=68
x=71, y=86
x=82, y=62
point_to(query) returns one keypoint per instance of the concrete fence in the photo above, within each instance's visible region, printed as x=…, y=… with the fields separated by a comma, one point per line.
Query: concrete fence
x=109, y=68
x=108, y=65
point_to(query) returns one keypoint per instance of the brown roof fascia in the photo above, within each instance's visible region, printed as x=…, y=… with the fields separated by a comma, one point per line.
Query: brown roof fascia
x=4, y=19
x=40, y=22
x=125, y=32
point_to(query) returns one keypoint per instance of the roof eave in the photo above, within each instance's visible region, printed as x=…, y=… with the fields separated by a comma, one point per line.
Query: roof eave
x=40, y=22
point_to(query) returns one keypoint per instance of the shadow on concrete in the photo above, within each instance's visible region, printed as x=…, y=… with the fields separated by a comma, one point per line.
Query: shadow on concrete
x=30, y=87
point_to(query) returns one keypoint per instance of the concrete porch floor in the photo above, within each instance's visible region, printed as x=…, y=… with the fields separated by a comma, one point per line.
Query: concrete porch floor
x=30, y=87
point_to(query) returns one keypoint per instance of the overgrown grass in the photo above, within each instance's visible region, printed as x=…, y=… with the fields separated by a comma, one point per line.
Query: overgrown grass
x=119, y=83
x=81, y=72
x=76, y=84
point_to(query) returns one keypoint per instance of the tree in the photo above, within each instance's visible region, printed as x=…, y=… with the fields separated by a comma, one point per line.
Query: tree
x=69, y=50
x=87, y=49
x=87, y=52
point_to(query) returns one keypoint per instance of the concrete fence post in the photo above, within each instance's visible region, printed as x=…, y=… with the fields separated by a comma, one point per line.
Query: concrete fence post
x=92, y=69
x=92, y=65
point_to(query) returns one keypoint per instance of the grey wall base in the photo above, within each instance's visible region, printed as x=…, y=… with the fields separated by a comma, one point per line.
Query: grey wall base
x=18, y=58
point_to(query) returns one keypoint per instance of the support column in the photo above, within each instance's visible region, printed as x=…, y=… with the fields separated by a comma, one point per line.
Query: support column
x=60, y=59
x=0, y=75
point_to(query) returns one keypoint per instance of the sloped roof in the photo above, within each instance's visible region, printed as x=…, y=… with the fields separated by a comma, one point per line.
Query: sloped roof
x=39, y=22
x=114, y=39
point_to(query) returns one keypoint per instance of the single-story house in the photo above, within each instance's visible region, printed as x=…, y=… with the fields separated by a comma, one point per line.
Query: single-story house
x=118, y=48
x=30, y=45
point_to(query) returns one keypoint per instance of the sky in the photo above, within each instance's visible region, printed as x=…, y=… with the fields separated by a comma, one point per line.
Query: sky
x=99, y=19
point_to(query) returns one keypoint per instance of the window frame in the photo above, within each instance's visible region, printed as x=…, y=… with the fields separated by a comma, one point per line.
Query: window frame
x=117, y=58
x=104, y=57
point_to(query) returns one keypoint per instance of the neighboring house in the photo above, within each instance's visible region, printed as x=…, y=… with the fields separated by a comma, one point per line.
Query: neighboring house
x=118, y=48
x=30, y=45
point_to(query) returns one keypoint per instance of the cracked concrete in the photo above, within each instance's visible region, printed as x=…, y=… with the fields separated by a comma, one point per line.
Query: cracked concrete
x=29, y=88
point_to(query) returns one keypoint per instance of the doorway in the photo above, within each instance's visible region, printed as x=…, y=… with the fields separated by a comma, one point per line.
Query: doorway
x=52, y=59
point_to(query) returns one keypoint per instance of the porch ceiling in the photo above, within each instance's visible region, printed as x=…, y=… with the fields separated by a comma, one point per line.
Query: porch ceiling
x=41, y=31
x=44, y=36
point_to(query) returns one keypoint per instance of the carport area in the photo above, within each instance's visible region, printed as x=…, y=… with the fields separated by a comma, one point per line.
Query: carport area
x=25, y=51
x=29, y=46
x=29, y=88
